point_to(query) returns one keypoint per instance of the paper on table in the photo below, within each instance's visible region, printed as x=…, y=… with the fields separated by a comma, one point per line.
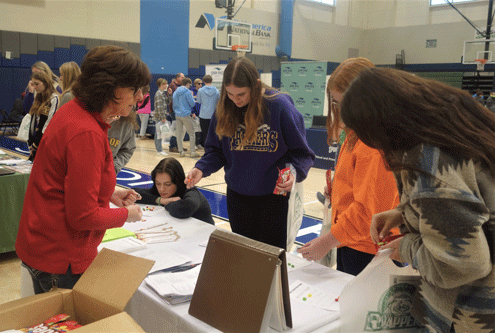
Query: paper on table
x=2, y=152
x=181, y=283
x=303, y=292
x=10, y=162
x=294, y=262
x=124, y=245
x=163, y=260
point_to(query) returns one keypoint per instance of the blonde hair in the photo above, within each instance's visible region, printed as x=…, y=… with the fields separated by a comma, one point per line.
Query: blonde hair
x=43, y=66
x=69, y=72
x=161, y=81
x=340, y=80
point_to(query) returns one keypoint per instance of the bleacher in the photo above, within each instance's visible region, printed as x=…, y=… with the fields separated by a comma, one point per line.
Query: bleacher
x=451, y=78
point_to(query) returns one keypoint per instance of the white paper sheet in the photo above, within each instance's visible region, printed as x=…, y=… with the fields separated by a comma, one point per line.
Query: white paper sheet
x=124, y=245
x=181, y=283
x=294, y=262
x=303, y=292
x=163, y=260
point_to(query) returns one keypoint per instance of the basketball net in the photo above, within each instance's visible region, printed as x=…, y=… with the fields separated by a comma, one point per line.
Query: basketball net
x=240, y=50
x=480, y=64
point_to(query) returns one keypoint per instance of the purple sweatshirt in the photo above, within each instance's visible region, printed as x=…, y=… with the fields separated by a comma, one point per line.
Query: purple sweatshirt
x=254, y=170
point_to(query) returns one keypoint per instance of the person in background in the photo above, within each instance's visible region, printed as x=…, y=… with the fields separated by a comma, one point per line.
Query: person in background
x=169, y=190
x=257, y=131
x=183, y=102
x=162, y=99
x=176, y=82
x=69, y=71
x=66, y=207
x=122, y=140
x=361, y=187
x=490, y=102
x=195, y=112
x=44, y=107
x=30, y=92
x=478, y=96
x=208, y=98
x=144, y=110
x=441, y=147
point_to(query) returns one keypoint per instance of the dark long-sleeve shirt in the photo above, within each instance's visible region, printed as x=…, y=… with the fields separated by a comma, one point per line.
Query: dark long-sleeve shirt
x=192, y=204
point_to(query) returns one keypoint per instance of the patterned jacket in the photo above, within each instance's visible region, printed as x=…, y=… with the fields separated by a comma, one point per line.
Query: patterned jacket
x=161, y=102
x=450, y=218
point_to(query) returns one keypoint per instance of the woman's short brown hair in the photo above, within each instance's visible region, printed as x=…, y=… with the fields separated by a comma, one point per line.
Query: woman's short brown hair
x=104, y=69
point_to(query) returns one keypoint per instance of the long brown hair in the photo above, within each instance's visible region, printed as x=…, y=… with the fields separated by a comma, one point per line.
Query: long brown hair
x=42, y=101
x=241, y=72
x=69, y=72
x=394, y=111
x=340, y=79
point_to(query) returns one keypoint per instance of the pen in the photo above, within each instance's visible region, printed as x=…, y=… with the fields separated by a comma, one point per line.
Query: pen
x=181, y=268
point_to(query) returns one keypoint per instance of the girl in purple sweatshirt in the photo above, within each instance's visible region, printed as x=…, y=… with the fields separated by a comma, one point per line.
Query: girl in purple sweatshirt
x=257, y=131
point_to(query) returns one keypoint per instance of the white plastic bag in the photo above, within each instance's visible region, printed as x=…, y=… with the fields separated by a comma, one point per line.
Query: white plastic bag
x=23, y=133
x=167, y=131
x=330, y=259
x=296, y=210
x=197, y=127
x=380, y=298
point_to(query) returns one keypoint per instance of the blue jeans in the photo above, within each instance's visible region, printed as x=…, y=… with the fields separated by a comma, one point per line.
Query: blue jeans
x=43, y=282
x=158, y=136
x=143, y=117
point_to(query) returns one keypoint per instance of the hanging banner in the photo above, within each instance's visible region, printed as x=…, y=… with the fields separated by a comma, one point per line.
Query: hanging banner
x=305, y=82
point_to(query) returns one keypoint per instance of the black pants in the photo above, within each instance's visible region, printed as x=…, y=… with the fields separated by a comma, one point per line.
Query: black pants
x=205, y=125
x=262, y=218
x=352, y=261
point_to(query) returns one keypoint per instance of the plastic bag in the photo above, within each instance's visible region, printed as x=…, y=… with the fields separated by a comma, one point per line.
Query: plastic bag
x=330, y=259
x=296, y=210
x=380, y=298
x=23, y=133
x=197, y=127
x=167, y=131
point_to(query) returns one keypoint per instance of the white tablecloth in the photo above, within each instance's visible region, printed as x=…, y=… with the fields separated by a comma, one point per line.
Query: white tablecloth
x=155, y=315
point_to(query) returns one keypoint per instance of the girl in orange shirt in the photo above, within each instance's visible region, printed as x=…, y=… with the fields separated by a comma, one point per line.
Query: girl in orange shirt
x=361, y=187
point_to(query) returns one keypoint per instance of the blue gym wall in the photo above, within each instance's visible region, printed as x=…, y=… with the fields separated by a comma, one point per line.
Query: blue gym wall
x=164, y=46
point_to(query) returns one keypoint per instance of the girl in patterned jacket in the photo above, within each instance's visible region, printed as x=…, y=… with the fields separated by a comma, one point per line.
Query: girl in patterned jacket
x=440, y=143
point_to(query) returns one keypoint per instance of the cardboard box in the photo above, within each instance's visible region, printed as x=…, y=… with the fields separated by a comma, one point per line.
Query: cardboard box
x=97, y=300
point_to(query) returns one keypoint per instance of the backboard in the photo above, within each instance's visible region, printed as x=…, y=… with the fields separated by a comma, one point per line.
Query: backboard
x=229, y=33
x=475, y=49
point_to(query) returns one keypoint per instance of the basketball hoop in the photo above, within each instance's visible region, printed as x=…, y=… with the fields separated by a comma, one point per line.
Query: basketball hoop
x=240, y=49
x=480, y=64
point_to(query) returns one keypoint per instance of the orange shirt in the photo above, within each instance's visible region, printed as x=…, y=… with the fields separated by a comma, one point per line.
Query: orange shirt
x=361, y=187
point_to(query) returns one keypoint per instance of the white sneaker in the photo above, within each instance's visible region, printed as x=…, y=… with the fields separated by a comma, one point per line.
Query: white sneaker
x=194, y=154
x=163, y=153
x=182, y=154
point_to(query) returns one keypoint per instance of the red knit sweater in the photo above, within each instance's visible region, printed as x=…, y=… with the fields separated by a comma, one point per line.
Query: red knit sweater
x=66, y=208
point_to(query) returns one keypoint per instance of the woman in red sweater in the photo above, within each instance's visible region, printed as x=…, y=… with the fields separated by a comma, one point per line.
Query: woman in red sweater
x=361, y=186
x=66, y=208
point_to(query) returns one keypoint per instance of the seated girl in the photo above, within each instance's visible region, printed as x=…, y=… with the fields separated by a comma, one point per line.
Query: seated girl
x=169, y=190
